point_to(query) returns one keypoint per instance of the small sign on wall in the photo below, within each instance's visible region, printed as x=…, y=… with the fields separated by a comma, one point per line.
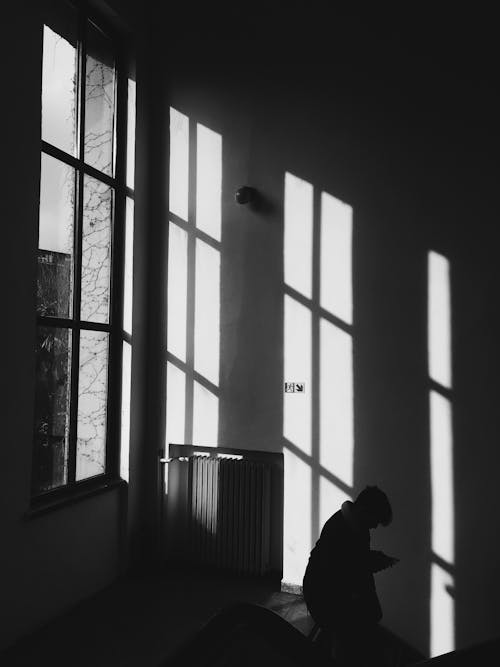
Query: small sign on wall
x=295, y=387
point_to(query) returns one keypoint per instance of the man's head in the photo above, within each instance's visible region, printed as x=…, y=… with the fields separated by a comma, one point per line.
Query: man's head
x=373, y=507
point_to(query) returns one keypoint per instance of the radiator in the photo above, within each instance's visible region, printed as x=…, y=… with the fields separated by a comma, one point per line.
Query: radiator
x=229, y=513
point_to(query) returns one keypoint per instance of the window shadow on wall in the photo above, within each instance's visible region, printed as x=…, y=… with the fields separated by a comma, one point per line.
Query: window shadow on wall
x=318, y=419
x=194, y=257
x=442, y=566
x=319, y=335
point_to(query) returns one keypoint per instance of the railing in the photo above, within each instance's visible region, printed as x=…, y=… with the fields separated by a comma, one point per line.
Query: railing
x=249, y=635
x=242, y=630
x=486, y=654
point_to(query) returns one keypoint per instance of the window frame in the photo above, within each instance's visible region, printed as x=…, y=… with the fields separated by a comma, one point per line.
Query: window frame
x=124, y=64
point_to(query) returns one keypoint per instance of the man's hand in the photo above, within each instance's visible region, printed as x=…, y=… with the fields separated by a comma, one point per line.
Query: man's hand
x=380, y=561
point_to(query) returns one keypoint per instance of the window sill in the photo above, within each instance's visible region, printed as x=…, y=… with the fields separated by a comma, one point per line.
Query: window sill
x=64, y=497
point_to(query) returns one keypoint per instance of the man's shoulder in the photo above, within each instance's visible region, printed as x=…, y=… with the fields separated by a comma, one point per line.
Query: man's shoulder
x=336, y=523
x=338, y=517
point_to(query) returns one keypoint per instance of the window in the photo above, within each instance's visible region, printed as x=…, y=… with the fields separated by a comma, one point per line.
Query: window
x=84, y=264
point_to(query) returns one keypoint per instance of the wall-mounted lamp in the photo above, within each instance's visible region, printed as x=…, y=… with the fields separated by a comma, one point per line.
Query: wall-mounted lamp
x=245, y=195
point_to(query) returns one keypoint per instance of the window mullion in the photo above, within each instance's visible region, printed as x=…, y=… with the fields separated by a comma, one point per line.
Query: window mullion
x=75, y=345
x=75, y=350
x=82, y=67
x=116, y=306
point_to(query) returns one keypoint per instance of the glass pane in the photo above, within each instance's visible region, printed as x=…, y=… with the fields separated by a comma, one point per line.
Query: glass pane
x=55, y=240
x=92, y=399
x=96, y=250
x=125, y=419
x=52, y=403
x=131, y=134
x=179, y=163
x=59, y=90
x=99, y=102
x=128, y=277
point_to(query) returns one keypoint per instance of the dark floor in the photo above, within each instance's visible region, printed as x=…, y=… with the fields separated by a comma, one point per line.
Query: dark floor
x=141, y=619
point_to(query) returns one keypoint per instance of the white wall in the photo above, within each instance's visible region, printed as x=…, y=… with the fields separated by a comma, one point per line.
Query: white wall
x=390, y=137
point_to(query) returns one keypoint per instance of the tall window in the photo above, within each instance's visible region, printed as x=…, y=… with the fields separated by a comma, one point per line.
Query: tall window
x=83, y=291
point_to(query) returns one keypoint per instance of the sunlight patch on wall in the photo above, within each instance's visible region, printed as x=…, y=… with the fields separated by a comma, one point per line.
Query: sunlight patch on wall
x=297, y=413
x=297, y=518
x=175, y=411
x=330, y=499
x=443, y=612
x=442, y=609
x=207, y=312
x=317, y=259
x=177, y=291
x=336, y=257
x=298, y=234
x=336, y=402
x=443, y=538
x=205, y=416
x=208, y=181
x=194, y=264
x=179, y=164
x=176, y=405
x=439, y=320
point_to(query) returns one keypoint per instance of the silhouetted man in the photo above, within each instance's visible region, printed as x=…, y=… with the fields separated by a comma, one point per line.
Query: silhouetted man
x=339, y=588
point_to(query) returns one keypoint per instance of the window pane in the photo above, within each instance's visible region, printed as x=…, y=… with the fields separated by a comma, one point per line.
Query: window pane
x=125, y=419
x=92, y=397
x=131, y=134
x=59, y=90
x=52, y=397
x=55, y=240
x=128, y=278
x=96, y=250
x=99, y=102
